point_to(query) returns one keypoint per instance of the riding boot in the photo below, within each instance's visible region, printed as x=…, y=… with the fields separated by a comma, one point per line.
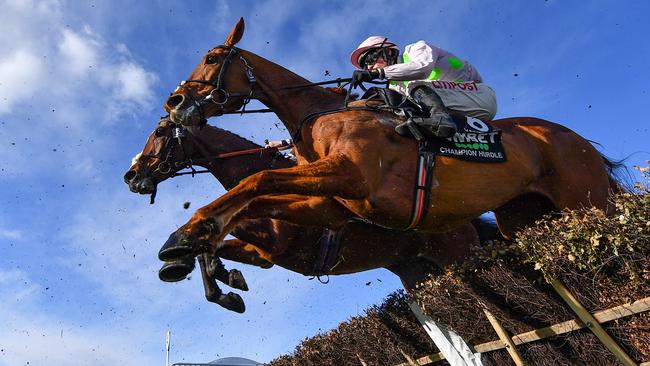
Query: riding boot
x=438, y=123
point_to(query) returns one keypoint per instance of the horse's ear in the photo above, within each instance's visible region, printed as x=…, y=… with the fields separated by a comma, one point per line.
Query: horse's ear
x=235, y=34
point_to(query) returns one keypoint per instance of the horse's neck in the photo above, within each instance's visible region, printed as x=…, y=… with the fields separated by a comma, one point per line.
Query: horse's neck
x=212, y=141
x=290, y=104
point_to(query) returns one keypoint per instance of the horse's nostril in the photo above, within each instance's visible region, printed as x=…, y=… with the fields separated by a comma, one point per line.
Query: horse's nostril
x=175, y=101
x=130, y=175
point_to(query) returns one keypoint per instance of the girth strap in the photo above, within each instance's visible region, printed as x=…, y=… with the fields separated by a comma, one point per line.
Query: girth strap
x=330, y=243
x=424, y=178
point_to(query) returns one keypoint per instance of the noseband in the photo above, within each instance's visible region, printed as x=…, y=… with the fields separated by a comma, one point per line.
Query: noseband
x=219, y=95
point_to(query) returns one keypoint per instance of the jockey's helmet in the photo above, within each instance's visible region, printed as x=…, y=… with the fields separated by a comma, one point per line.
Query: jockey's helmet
x=373, y=47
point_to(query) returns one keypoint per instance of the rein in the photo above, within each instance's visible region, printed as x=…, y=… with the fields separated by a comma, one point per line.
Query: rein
x=339, y=81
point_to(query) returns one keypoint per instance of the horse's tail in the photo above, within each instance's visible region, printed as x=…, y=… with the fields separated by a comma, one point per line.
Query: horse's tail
x=620, y=179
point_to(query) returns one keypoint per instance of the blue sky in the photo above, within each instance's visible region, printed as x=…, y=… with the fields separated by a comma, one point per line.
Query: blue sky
x=81, y=88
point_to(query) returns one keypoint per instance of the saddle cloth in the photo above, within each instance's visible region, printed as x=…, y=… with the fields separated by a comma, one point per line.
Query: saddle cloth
x=475, y=140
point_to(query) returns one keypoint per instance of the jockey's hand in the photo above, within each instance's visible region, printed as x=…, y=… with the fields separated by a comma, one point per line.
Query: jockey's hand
x=278, y=144
x=359, y=76
x=272, y=144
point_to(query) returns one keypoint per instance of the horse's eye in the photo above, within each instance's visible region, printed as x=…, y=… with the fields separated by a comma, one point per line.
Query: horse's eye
x=159, y=132
x=211, y=59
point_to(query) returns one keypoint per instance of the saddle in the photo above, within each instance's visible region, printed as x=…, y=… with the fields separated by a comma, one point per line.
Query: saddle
x=389, y=99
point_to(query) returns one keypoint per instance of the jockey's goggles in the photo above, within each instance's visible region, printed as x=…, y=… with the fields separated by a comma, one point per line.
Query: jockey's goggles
x=371, y=56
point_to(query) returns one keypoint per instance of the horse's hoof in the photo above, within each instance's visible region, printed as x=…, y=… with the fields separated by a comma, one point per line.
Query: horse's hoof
x=236, y=280
x=177, y=270
x=233, y=302
x=177, y=246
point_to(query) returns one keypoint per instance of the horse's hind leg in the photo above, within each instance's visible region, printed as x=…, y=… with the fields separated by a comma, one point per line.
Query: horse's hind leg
x=239, y=251
x=522, y=211
x=213, y=293
x=233, y=278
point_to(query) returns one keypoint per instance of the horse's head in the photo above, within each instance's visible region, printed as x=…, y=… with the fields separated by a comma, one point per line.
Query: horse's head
x=222, y=82
x=168, y=149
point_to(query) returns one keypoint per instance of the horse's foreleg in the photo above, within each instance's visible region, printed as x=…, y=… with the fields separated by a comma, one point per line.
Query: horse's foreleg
x=232, y=278
x=178, y=268
x=299, y=210
x=330, y=177
x=213, y=293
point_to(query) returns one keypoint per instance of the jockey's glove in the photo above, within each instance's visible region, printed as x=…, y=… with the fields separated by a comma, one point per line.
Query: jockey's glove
x=359, y=76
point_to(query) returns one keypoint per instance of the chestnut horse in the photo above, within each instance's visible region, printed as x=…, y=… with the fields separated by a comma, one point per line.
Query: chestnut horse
x=264, y=242
x=355, y=158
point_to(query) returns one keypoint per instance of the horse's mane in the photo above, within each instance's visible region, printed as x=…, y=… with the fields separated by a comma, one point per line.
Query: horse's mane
x=230, y=138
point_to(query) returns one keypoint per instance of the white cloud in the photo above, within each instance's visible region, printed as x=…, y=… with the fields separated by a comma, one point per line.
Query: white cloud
x=134, y=83
x=16, y=287
x=26, y=25
x=79, y=52
x=21, y=73
x=61, y=83
x=10, y=234
x=220, y=17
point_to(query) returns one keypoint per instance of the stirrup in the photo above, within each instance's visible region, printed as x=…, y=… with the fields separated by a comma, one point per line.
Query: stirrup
x=439, y=125
x=409, y=129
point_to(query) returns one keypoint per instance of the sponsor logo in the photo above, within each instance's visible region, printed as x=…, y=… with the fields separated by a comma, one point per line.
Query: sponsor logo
x=474, y=138
x=471, y=153
x=475, y=141
x=469, y=86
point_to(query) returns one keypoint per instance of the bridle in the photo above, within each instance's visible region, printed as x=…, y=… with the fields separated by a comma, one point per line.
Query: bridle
x=219, y=95
x=167, y=165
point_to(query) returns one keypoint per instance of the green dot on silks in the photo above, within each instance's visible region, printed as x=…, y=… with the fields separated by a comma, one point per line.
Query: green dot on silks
x=455, y=62
x=435, y=74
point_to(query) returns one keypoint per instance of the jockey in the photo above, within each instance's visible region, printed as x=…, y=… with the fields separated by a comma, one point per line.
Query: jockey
x=431, y=76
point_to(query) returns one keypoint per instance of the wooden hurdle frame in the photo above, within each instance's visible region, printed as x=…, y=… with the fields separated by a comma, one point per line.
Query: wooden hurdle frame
x=584, y=320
